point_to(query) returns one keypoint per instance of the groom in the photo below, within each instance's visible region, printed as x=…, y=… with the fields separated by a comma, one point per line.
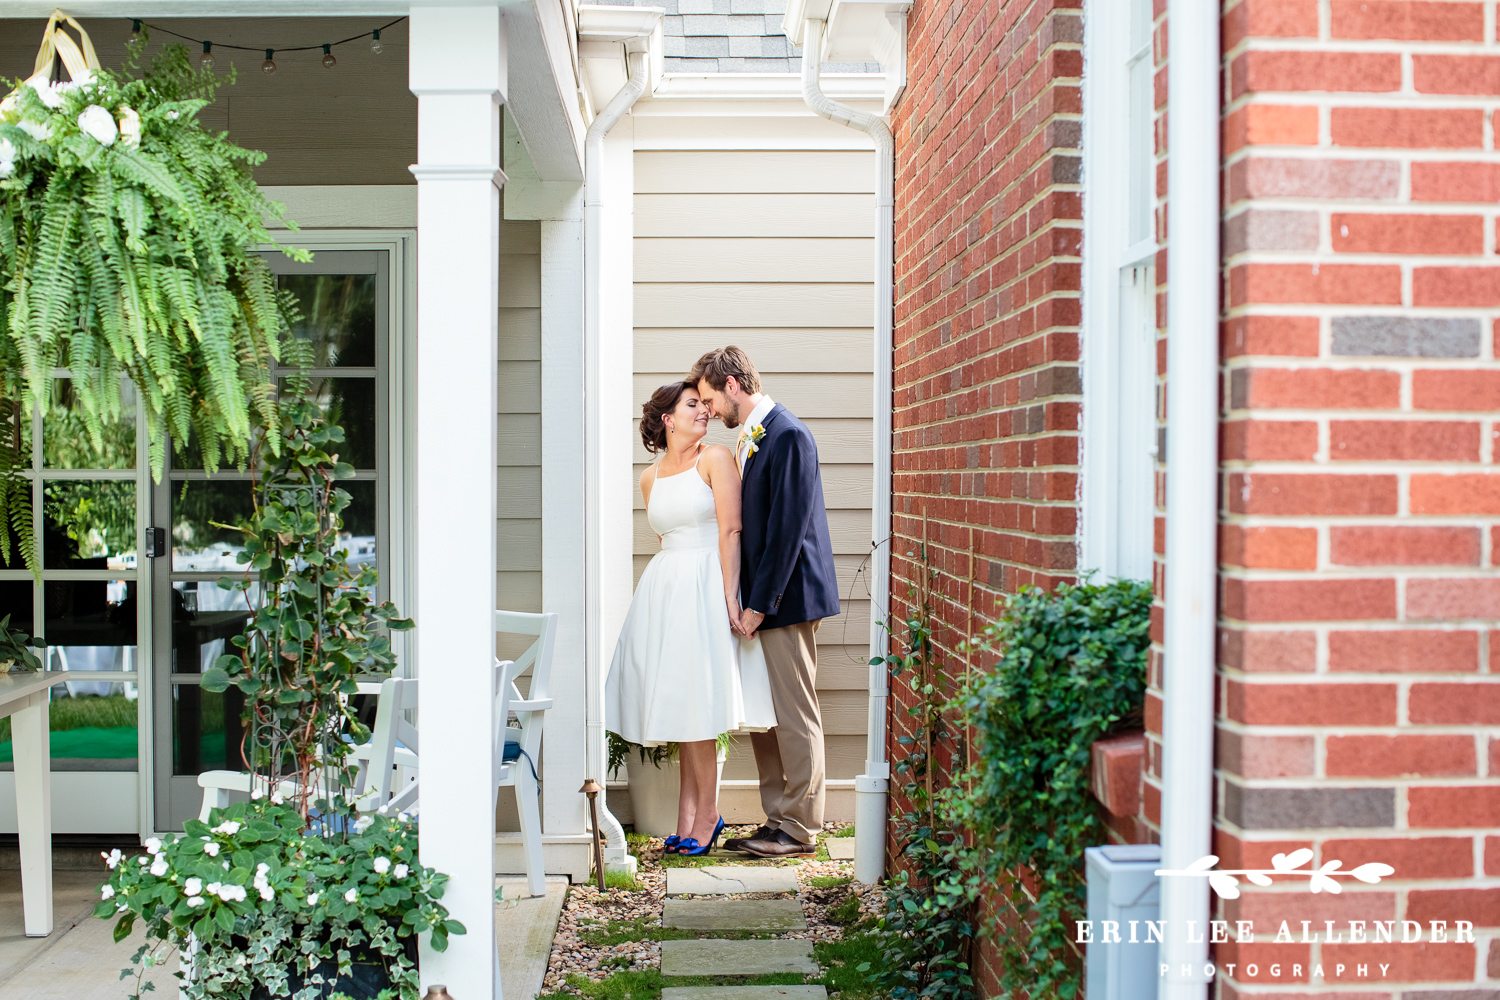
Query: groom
x=787, y=585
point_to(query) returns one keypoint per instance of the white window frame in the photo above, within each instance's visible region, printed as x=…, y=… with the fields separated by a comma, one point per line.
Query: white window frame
x=1116, y=536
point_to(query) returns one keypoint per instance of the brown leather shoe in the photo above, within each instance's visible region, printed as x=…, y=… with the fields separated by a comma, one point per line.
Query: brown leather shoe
x=761, y=832
x=780, y=846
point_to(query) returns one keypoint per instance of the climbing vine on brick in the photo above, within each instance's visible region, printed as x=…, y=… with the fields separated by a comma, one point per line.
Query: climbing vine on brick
x=1071, y=669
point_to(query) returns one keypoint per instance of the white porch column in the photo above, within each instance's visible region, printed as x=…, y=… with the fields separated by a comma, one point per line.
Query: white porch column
x=458, y=72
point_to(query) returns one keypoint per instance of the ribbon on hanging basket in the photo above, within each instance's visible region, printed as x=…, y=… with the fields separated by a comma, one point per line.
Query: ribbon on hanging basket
x=79, y=58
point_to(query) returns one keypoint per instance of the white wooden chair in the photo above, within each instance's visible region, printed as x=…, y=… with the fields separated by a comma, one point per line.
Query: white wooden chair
x=393, y=741
x=520, y=770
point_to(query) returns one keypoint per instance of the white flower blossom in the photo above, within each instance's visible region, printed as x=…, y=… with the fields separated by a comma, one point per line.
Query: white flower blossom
x=231, y=893
x=382, y=865
x=404, y=817
x=256, y=795
x=171, y=116
x=312, y=899
x=130, y=127
x=144, y=860
x=98, y=123
x=196, y=901
x=40, y=131
x=277, y=799
x=228, y=828
x=351, y=895
x=112, y=859
x=50, y=93
x=7, y=167
x=265, y=890
x=402, y=871
x=153, y=844
x=193, y=886
x=364, y=823
x=211, y=849
x=226, y=866
x=159, y=867
x=107, y=891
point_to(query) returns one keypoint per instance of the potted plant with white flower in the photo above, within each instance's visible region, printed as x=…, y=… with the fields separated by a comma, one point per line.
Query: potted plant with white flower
x=292, y=894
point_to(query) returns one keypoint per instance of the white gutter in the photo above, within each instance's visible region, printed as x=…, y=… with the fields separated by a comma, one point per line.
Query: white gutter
x=1192, y=489
x=870, y=788
x=615, y=855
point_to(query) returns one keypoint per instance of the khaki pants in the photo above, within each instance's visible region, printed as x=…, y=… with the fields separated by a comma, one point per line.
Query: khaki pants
x=790, y=757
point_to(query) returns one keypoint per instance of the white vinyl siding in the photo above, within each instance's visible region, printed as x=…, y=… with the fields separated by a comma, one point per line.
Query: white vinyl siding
x=518, y=535
x=770, y=248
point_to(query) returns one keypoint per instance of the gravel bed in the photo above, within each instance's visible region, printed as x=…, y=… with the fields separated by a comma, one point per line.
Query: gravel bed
x=587, y=908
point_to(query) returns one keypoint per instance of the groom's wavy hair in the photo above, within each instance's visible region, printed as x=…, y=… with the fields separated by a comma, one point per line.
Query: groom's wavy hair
x=717, y=365
x=662, y=402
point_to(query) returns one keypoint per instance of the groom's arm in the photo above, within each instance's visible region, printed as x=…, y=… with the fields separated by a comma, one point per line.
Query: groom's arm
x=792, y=483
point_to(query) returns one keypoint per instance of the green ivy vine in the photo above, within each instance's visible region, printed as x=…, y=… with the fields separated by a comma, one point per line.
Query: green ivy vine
x=1071, y=670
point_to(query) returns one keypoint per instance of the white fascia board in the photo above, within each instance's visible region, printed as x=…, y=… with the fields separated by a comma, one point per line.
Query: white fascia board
x=768, y=86
x=798, y=11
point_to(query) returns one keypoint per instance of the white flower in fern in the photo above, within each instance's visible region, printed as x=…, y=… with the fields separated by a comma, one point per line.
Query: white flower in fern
x=51, y=94
x=99, y=124
x=40, y=131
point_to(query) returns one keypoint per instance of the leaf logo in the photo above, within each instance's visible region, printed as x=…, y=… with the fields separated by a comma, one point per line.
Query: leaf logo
x=1226, y=886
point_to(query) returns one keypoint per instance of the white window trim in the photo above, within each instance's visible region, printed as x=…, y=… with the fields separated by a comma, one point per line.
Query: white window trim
x=1106, y=252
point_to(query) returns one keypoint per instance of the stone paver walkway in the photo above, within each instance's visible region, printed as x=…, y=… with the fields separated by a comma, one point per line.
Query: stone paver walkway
x=734, y=915
x=728, y=879
x=744, y=993
x=716, y=957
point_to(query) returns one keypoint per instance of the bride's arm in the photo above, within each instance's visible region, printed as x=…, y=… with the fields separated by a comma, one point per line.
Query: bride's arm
x=724, y=479
x=648, y=476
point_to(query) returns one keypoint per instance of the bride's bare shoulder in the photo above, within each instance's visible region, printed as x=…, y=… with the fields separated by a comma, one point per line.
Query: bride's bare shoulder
x=717, y=454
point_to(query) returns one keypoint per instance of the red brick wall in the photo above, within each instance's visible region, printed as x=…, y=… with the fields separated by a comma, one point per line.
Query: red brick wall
x=1361, y=504
x=986, y=375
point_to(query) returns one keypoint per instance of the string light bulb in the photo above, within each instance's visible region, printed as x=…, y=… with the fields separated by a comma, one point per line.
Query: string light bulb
x=269, y=66
x=328, y=60
x=375, y=45
x=206, y=60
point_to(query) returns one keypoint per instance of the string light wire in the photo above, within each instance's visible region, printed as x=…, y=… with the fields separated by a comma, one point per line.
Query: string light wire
x=136, y=24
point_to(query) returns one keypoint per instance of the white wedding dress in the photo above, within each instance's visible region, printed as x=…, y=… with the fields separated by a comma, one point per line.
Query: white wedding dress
x=679, y=672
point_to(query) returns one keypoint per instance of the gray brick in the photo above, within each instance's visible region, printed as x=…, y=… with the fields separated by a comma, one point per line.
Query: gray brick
x=1406, y=336
x=705, y=24
x=747, y=24
x=703, y=47
x=673, y=45
x=690, y=65
x=1309, y=808
x=743, y=48
x=672, y=26
x=1264, y=229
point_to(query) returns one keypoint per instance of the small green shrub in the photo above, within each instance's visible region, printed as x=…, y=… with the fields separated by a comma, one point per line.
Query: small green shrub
x=846, y=912
x=829, y=881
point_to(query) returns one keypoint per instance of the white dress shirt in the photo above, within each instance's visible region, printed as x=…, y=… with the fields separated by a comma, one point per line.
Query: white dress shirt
x=757, y=416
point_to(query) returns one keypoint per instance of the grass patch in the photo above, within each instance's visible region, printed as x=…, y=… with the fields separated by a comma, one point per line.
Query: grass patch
x=635, y=843
x=847, y=964
x=829, y=881
x=646, y=984
x=640, y=929
x=92, y=711
x=616, y=879
x=843, y=831
x=845, y=913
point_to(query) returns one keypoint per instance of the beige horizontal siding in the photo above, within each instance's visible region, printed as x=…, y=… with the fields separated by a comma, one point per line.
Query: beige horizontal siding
x=753, y=260
x=820, y=216
x=782, y=349
x=771, y=248
x=518, y=530
x=755, y=132
x=755, y=171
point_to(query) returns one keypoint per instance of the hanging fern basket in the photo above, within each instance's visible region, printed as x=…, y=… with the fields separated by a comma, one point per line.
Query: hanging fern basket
x=126, y=238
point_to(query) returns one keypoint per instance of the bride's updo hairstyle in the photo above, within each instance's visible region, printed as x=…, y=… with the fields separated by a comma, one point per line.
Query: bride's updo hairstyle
x=662, y=402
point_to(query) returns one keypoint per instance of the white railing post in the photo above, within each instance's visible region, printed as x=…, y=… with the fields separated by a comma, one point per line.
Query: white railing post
x=458, y=72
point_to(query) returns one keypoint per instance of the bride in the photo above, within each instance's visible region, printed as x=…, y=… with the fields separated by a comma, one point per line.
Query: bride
x=681, y=673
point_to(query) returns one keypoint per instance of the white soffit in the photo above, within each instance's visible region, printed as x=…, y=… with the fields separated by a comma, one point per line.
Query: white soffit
x=768, y=86
x=859, y=31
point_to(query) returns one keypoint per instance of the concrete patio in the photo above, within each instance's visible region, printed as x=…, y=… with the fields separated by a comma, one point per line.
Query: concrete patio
x=81, y=961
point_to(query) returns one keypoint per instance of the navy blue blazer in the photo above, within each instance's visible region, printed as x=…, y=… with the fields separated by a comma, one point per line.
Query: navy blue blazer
x=786, y=555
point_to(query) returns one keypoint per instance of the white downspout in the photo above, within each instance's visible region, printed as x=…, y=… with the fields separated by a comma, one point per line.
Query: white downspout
x=870, y=788
x=615, y=855
x=1192, y=488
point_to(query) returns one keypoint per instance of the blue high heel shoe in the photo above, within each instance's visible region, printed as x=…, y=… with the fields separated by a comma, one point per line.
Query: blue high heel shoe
x=670, y=847
x=690, y=847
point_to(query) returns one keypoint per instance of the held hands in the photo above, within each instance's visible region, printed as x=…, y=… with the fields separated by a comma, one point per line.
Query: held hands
x=750, y=623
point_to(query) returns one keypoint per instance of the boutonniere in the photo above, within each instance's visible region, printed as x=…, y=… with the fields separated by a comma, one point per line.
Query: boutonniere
x=755, y=433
